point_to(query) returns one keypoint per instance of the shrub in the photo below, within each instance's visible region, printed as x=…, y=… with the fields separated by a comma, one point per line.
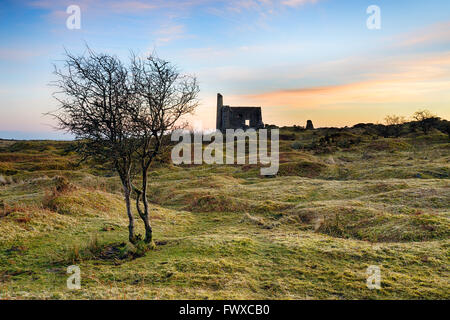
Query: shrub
x=296, y=145
x=287, y=136
x=62, y=184
x=6, y=209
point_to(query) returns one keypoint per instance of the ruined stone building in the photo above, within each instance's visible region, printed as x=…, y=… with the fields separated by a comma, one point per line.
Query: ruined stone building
x=237, y=117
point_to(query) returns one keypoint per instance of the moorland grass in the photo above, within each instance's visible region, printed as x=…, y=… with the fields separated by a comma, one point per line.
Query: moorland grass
x=225, y=231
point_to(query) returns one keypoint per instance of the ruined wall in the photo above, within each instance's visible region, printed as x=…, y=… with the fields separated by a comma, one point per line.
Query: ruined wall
x=241, y=118
x=237, y=117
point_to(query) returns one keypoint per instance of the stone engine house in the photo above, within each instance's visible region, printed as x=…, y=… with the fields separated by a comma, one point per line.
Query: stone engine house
x=237, y=117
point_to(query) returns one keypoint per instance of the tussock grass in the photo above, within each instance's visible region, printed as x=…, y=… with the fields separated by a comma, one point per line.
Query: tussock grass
x=308, y=169
x=374, y=225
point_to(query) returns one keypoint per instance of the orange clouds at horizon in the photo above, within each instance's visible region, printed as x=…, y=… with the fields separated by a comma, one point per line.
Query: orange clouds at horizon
x=421, y=83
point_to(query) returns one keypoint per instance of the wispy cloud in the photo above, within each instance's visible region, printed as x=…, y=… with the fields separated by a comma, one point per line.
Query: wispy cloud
x=414, y=79
x=297, y=3
x=170, y=33
x=438, y=33
x=268, y=5
x=233, y=9
x=19, y=54
x=116, y=6
x=134, y=6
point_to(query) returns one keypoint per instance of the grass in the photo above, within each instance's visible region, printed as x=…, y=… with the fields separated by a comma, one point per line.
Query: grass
x=225, y=232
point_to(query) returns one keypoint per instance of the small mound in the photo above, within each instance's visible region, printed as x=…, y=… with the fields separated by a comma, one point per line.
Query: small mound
x=438, y=197
x=296, y=156
x=215, y=203
x=309, y=169
x=389, y=145
x=373, y=225
x=29, y=222
x=7, y=168
x=268, y=206
x=259, y=221
x=382, y=187
x=84, y=202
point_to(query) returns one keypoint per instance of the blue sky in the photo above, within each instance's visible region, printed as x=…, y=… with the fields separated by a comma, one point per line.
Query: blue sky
x=298, y=59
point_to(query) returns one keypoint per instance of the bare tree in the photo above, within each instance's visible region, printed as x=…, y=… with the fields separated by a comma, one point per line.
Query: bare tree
x=395, y=122
x=426, y=120
x=96, y=105
x=163, y=96
x=421, y=115
x=123, y=115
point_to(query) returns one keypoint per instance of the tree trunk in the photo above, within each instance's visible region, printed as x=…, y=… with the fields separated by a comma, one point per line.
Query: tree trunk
x=131, y=237
x=148, y=230
x=148, y=227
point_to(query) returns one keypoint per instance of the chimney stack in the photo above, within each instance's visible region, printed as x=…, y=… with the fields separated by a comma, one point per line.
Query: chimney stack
x=219, y=112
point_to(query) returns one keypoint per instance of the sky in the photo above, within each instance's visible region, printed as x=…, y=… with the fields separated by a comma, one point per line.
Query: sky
x=297, y=59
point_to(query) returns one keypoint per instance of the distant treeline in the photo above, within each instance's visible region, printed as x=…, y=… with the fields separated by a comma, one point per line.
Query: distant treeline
x=422, y=121
x=397, y=130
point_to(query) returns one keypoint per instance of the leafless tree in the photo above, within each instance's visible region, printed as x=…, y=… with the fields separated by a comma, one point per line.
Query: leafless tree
x=123, y=114
x=163, y=96
x=425, y=120
x=95, y=105
x=395, y=122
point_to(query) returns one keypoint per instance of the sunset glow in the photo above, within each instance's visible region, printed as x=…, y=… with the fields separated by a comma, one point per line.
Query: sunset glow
x=298, y=60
